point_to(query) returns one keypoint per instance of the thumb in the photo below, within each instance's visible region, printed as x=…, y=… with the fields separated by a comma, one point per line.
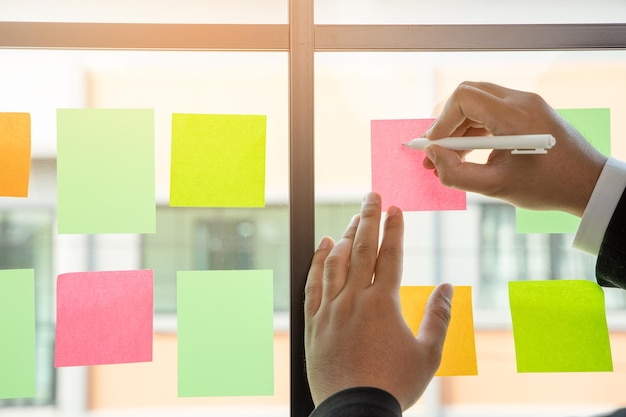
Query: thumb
x=454, y=172
x=434, y=327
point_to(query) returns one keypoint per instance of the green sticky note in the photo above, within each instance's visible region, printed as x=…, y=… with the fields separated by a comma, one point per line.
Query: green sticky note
x=560, y=326
x=105, y=171
x=218, y=160
x=225, y=333
x=595, y=126
x=17, y=327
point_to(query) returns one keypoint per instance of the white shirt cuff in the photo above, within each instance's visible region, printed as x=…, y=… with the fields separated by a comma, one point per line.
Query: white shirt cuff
x=601, y=205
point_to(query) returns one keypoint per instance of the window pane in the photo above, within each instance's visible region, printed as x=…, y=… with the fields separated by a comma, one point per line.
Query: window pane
x=463, y=12
x=145, y=11
x=250, y=83
x=480, y=246
x=26, y=243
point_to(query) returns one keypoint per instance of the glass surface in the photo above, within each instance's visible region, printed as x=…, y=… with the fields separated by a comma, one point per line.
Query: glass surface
x=256, y=83
x=25, y=243
x=145, y=11
x=477, y=247
x=462, y=12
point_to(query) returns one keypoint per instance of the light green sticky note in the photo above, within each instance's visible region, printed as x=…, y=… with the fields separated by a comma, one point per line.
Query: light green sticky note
x=560, y=326
x=218, y=160
x=225, y=333
x=595, y=126
x=105, y=171
x=17, y=327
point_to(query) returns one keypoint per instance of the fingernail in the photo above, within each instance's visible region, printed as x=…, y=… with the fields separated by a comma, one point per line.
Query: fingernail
x=447, y=290
x=393, y=211
x=370, y=198
x=354, y=221
x=429, y=129
x=323, y=243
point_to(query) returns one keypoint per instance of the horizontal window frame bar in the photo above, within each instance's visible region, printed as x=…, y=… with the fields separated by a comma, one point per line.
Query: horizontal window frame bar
x=509, y=37
x=143, y=36
x=345, y=38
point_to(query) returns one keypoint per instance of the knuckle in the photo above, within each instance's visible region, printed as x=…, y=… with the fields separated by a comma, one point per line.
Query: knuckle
x=311, y=289
x=390, y=252
x=447, y=177
x=333, y=262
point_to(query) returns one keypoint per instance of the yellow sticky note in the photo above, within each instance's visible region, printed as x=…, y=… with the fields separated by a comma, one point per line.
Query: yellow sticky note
x=218, y=160
x=14, y=154
x=459, y=349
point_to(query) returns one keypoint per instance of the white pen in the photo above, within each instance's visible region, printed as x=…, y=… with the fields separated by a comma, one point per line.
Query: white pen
x=518, y=144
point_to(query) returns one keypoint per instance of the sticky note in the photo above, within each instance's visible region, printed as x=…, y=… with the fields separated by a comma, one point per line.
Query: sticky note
x=105, y=171
x=397, y=171
x=17, y=327
x=104, y=318
x=559, y=326
x=14, y=154
x=225, y=333
x=218, y=160
x=459, y=349
x=595, y=126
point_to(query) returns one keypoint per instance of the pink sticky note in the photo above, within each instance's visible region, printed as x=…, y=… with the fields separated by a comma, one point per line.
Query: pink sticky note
x=398, y=174
x=104, y=318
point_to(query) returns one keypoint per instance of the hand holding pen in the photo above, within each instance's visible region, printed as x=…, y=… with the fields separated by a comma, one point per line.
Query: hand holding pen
x=562, y=179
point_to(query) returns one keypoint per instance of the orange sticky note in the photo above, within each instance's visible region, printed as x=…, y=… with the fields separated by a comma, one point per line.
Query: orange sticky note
x=14, y=154
x=459, y=349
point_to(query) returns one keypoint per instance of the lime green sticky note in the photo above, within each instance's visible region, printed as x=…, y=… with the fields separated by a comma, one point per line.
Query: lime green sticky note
x=218, y=160
x=560, y=326
x=105, y=171
x=595, y=126
x=17, y=327
x=225, y=333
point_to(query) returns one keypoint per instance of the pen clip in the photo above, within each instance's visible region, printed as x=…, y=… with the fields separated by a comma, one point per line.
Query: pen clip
x=536, y=151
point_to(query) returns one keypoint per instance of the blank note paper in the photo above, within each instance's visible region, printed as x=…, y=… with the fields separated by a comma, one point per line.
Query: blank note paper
x=17, y=327
x=104, y=318
x=397, y=171
x=459, y=349
x=218, y=160
x=595, y=126
x=225, y=333
x=105, y=164
x=14, y=154
x=559, y=326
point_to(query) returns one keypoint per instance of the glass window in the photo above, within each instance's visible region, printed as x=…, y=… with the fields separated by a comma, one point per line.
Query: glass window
x=39, y=82
x=480, y=246
x=26, y=243
x=143, y=11
x=462, y=12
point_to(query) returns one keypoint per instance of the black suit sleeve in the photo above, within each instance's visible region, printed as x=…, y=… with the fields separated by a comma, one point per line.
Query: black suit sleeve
x=359, y=402
x=611, y=263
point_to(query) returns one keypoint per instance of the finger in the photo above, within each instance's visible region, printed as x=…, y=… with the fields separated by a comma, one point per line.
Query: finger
x=337, y=263
x=467, y=102
x=491, y=88
x=454, y=172
x=365, y=246
x=389, y=264
x=434, y=327
x=313, y=289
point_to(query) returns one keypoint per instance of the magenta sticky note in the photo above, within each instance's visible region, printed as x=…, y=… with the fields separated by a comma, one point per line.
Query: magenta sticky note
x=398, y=174
x=104, y=318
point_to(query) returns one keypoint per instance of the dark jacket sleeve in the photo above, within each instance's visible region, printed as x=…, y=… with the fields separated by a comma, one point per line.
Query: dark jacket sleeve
x=611, y=263
x=359, y=402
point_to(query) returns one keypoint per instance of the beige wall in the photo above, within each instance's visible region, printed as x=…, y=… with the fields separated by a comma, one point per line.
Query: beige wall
x=154, y=384
x=151, y=385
